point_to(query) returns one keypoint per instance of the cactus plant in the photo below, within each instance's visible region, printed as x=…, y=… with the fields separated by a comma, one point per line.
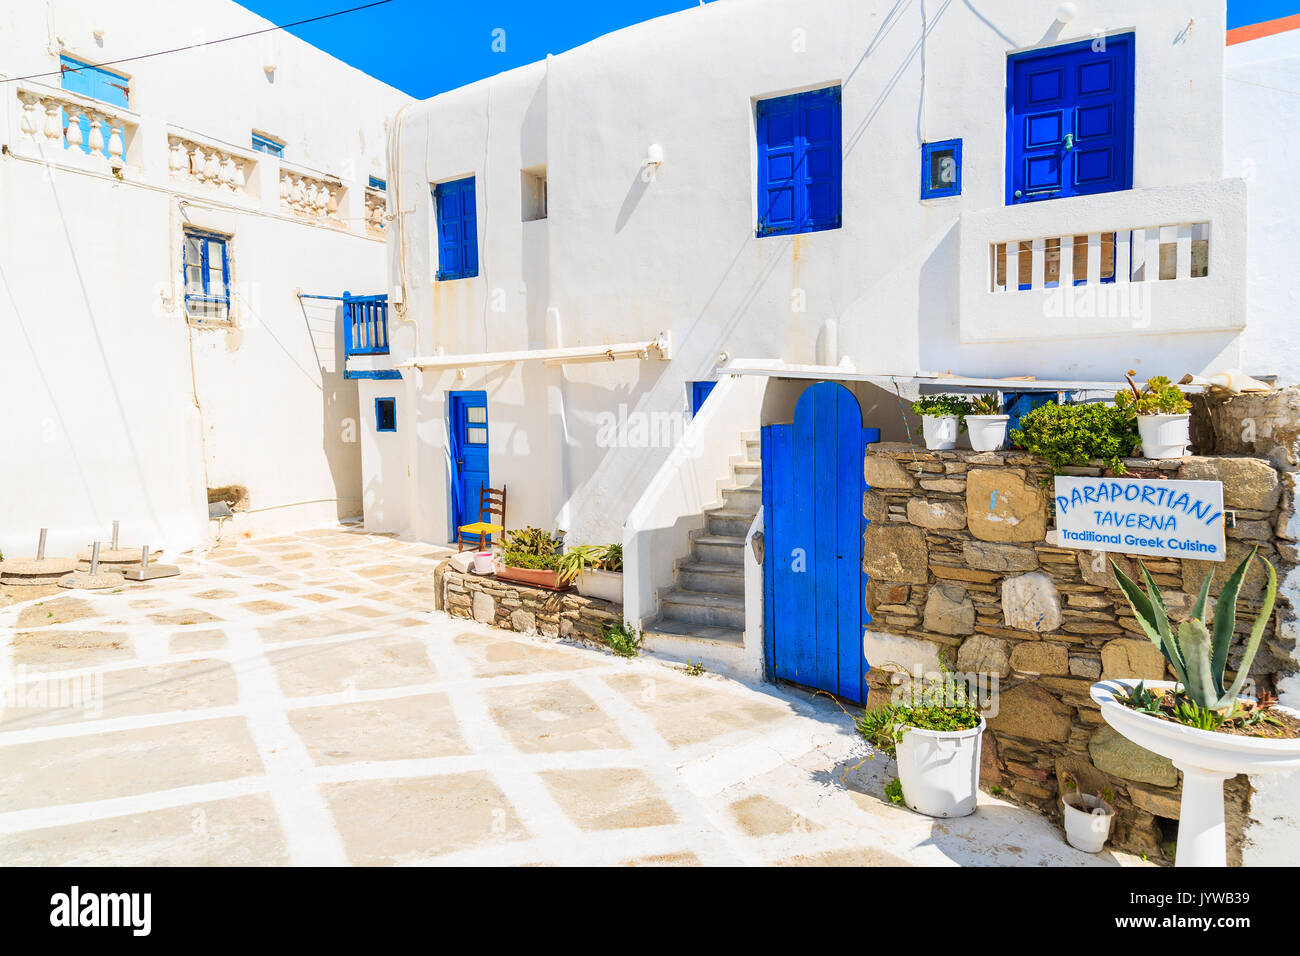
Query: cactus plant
x=1199, y=655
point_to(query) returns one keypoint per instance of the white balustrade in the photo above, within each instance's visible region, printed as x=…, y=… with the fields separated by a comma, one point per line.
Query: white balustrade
x=375, y=212
x=310, y=197
x=207, y=165
x=51, y=117
x=1144, y=254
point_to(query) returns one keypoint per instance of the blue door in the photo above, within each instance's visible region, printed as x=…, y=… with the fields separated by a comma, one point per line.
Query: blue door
x=468, y=429
x=1070, y=120
x=814, y=588
x=699, y=392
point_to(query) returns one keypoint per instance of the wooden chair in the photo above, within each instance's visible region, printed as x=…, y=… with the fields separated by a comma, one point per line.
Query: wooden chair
x=491, y=502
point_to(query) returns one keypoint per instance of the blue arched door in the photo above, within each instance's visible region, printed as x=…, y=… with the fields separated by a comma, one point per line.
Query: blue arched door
x=815, y=590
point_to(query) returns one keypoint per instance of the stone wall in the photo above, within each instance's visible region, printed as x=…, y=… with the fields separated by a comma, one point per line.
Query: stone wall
x=963, y=568
x=528, y=610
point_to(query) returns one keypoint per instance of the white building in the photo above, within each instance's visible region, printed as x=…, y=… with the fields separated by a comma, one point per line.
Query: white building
x=128, y=394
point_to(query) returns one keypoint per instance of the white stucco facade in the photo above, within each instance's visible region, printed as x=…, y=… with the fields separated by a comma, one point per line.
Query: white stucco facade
x=628, y=251
x=118, y=406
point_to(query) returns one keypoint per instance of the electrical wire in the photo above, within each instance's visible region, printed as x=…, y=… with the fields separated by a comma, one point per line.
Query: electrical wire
x=195, y=46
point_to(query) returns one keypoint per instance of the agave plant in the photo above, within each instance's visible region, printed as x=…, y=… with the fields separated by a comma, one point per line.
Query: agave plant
x=1198, y=654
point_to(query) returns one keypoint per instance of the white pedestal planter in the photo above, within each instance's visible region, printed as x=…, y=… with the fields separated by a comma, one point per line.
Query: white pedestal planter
x=605, y=585
x=987, y=432
x=1164, y=436
x=1087, y=829
x=940, y=770
x=940, y=431
x=1206, y=759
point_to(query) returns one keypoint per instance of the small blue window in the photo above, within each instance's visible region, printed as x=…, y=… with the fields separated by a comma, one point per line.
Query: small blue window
x=377, y=183
x=799, y=162
x=264, y=144
x=941, y=169
x=96, y=83
x=207, y=276
x=385, y=414
x=457, y=229
x=699, y=392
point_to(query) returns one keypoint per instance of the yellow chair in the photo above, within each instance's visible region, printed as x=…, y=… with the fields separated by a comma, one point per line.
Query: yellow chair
x=491, y=502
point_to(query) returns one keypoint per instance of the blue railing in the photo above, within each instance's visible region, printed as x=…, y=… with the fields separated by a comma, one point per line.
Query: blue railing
x=365, y=324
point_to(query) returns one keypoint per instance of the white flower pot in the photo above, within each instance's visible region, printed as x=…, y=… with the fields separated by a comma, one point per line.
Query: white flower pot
x=940, y=431
x=483, y=562
x=605, y=585
x=987, y=432
x=1087, y=821
x=940, y=770
x=1164, y=436
x=1206, y=759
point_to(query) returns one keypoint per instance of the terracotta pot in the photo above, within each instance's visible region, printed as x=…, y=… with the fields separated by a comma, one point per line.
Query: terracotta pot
x=535, y=577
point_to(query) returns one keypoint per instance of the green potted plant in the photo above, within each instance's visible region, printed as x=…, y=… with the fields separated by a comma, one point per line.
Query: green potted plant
x=1077, y=434
x=942, y=419
x=532, y=556
x=985, y=423
x=1201, y=721
x=1161, y=410
x=597, y=569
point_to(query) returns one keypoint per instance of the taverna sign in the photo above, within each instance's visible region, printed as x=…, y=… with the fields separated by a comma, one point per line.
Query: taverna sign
x=1173, y=519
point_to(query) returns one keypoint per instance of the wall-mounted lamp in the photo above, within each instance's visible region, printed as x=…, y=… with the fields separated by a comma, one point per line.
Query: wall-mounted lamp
x=1066, y=12
x=654, y=156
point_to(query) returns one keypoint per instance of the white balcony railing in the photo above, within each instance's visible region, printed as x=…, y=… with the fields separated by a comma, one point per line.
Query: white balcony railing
x=375, y=212
x=311, y=197
x=207, y=164
x=98, y=131
x=1148, y=254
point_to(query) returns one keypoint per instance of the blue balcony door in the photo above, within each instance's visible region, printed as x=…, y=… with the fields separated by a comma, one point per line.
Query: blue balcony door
x=468, y=430
x=699, y=392
x=1070, y=120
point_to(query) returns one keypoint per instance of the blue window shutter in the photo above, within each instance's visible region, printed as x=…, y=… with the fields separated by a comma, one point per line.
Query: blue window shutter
x=457, y=216
x=96, y=83
x=799, y=162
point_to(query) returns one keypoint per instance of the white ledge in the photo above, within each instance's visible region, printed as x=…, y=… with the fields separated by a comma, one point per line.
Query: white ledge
x=660, y=346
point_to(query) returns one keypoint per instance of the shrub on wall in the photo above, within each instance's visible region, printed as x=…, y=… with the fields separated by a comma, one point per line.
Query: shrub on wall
x=1077, y=434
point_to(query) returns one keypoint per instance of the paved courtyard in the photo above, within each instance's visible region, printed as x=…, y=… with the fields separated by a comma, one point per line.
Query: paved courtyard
x=295, y=700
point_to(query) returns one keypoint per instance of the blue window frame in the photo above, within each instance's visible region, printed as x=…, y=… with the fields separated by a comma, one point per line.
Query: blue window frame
x=941, y=169
x=799, y=162
x=699, y=392
x=377, y=183
x=207, y=276
x=1070, y=120
x=264, y=144
x=96, y=83
x=385, y=414
x=457, y=229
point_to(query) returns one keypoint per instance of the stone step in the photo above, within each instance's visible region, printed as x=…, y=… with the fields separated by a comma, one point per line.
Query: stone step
x=719, y=549
x=746, y=474
x=700, y=632
x=727, y=522
x=711, y=576
x=719, y=649
x=754, y=449
x=704, y=607
x=742, y=499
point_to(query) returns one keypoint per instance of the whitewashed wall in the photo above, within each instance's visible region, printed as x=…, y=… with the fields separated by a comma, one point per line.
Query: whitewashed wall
x=621, y=258
x=116, y=408
x=1263, y=115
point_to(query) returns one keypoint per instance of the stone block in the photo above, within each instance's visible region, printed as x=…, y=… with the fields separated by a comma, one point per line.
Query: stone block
x=1040, y=657
x=982, y=654
x=990, y=556
x=1030, y=603
x=1095, y=568
x=1250, y=483
x=1086, y=667
x=1126, y=657
x=1118, y=756
x=1029, y=711
x=949, y=610
x=895, y=552
x=1158, y=803
x=1003, y=505
x=485, y=608
x=942, y=515
x=875, y=507
x=525, y=622
x=887, y=473
x=895, y=652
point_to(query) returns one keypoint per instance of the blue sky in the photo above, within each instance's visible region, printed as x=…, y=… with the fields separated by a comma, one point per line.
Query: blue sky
x=424, y=47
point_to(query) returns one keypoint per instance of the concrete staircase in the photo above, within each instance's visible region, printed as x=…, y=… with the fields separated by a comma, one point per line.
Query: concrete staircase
x=702, y=617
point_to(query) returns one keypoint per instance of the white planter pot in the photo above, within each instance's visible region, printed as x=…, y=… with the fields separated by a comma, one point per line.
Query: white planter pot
x=483, y=562
x=1206, y=759
x=1164, y=436
x=1087, y=821
x=940, y=770
x=605, y=585
x=940, y=431
x=987, y=432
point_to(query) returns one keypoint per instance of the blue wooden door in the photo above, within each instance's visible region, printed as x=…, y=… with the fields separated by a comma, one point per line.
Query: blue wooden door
x=468, y=430
x=814, y=588
x=1070, y=120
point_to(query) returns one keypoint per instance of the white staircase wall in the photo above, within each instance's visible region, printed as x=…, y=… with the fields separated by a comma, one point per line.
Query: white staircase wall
x=657, y=530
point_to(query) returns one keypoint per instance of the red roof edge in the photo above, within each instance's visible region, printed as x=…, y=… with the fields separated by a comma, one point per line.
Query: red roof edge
x=1266, y=29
